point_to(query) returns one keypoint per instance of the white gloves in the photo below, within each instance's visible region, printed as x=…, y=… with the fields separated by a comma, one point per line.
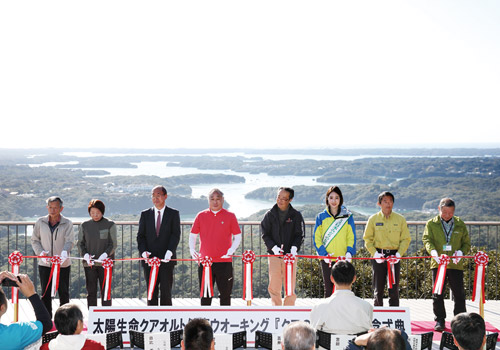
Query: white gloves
x=228, y=254
x=88, y=259
x=44, y=260
x=168, y=256
x=348, y=256
x=194, y=254
x=276, y=250
x=64, y=256
x=378, y=257
x=102, y=257
x=293, y=250
x=456, y=255
x=146, y=254
x=398, y=256
x=435, y=255
x=327, y=261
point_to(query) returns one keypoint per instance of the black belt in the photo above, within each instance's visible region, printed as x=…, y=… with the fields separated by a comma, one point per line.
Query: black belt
x=387, y=252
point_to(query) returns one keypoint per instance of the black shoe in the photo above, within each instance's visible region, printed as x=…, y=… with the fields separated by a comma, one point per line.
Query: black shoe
x=440, y=326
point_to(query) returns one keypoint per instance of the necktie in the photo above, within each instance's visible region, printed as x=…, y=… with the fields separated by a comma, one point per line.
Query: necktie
x=158, y=224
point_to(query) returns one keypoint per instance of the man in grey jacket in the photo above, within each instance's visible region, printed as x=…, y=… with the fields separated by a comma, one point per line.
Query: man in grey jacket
x=53, y=235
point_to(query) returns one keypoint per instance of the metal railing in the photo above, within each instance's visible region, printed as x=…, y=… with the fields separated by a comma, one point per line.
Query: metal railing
x=128, y=278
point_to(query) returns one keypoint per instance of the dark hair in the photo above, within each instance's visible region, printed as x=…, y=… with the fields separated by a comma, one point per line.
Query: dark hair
x=290, y=191
x=386, y=338
x=198, y=335
x=469, y=330
x=343, y=272
x=337, y=190
x=3, y=299
x=384, y=194
x=447, y=202
x=163, y=189
x=98, y=204
x=67, y=317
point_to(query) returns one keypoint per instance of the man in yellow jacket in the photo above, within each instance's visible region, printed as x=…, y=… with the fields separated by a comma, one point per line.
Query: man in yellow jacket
x=386, y=234
x=447, y=234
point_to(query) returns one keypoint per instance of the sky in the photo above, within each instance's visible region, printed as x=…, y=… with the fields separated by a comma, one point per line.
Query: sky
x=249, y=74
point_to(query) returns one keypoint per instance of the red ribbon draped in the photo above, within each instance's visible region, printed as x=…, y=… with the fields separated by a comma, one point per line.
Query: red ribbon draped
x=481, y=259
x=207, y=289
x=248, y=259
x=107, y=264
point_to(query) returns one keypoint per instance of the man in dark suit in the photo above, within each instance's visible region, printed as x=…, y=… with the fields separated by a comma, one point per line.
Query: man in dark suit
x=158, y=236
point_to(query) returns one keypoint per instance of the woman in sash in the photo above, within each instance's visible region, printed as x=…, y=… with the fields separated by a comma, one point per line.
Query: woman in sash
x=334, y=234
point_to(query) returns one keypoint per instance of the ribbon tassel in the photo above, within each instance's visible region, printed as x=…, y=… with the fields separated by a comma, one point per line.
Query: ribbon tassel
x=154, y=263
x=481, y=259
x=289, y=260
x=107, y=264
x=207, y=290
x=248, y=260
x=444, y=260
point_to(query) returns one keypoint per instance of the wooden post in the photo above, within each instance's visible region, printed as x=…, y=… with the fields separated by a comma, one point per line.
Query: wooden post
x=249, y=303
x=16, y=311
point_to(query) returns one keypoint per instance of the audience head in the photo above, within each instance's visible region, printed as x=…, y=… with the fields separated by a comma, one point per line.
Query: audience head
x=469, y=331
x=198, y=335
x=343, y=273
x=69, y=319
x=298, y=336
x=386, y=339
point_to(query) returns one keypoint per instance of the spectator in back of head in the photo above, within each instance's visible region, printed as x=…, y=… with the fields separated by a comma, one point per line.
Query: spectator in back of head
x=386, y=339
x=469, y=331
x=69, y=323
x=298, y=336
x=343, y=312
x=198, y=335
x=381, y=339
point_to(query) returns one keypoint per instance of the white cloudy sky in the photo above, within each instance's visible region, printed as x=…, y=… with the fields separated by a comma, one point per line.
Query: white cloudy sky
x=249, y=73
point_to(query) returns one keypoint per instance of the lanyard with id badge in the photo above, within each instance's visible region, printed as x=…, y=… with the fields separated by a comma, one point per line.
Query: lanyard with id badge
x=447, y=233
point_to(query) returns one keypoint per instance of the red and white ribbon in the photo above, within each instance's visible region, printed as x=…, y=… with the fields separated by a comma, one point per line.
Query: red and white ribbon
x=391, y=274
x=207, y=290
x=107, y=264
x=444, y=260
x=248, y=260
x=481, y=259
x=154, y=263
x=55, y=271
x=15, y=260
x=289, y=260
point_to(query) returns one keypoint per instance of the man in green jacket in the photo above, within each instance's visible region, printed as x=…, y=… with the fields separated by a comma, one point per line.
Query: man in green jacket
x=447, y=234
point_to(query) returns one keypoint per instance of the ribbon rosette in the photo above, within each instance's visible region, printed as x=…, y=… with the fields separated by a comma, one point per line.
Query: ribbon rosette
x=444, y=260
x=55, y=270
x=15, y=260
x=391, y=274
x=207, y=290
x=107, y=264
x=248, y=260
x=154, y=263
x=289, y=260
x=481, y=259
